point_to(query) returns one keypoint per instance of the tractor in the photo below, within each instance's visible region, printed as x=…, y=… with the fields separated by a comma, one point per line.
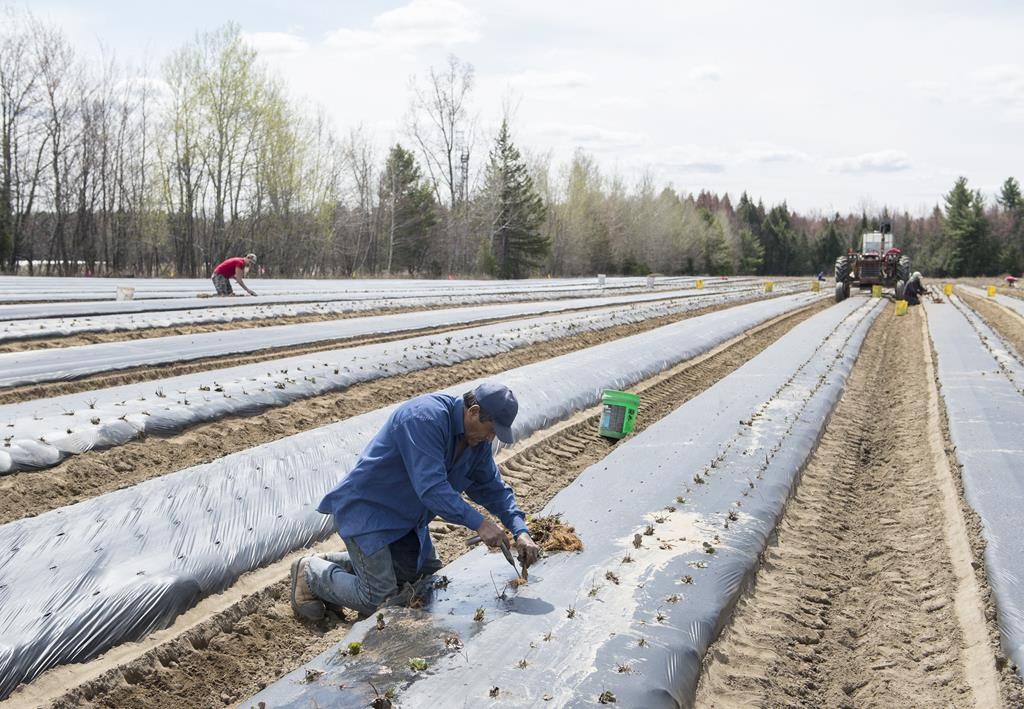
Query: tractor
x=879, y=263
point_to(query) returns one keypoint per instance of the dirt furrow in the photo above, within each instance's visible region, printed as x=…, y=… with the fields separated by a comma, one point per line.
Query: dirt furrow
x=1007, y=323
x=239, y=650
x=93, y=473
x=868, y=598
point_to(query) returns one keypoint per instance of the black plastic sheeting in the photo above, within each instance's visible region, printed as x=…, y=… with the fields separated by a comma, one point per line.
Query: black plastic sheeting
x=40, y=433
x=61, y=364
x=982, y=380
x=634, y=613
x=81, y=579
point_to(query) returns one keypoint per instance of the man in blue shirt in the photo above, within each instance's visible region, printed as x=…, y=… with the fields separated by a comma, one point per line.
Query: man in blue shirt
x=432, y=449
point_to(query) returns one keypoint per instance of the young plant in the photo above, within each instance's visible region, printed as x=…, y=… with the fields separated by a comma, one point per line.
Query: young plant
x=570, y=612
x=354, y=648
x=606, y=697
x=380, y=621
x=478, y=616
x=417, y=664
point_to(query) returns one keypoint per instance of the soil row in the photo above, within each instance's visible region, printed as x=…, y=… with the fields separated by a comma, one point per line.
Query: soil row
x=26, y=494
x=869, y=597
x=239, y=650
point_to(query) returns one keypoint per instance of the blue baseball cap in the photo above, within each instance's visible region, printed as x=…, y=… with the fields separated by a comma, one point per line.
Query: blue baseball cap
x=500, y=405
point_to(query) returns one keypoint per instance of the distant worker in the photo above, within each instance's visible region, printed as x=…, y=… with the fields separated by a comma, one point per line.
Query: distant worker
x=431, y=449
x=232, y=268
x=914, y=289
x=820, y=276
x=1011, y=281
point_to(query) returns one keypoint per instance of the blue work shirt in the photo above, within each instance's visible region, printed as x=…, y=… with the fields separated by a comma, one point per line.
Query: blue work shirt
x=408, y=474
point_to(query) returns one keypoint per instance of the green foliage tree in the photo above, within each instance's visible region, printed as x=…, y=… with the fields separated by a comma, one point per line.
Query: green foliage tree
x=515, y=210
x=1012, y=202
x=966, y=228
x=409, y=213
x=778, y=238
x=830, y=246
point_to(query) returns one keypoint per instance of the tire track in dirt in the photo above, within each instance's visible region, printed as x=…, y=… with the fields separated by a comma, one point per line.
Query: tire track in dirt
x=28, y=493
x=239, y=650
x=856, y=604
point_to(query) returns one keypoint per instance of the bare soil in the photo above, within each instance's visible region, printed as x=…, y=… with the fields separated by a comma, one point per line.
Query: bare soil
x=869, y=597
x=28, y=493
x=238, y=651
x=1007, y=323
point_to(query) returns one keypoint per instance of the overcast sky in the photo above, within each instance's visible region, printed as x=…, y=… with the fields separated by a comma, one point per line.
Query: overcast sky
x=828, y=105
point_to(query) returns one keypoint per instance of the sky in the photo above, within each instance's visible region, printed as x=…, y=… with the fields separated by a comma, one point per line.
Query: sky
x=829, y=105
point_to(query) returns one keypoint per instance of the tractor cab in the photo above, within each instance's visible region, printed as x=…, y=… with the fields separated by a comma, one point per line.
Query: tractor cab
x=878, y=262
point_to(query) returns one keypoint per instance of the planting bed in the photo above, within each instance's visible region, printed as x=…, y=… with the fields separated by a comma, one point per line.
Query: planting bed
x=876, y=589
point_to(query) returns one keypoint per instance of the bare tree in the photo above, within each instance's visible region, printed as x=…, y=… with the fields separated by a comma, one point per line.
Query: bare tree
x=442, y=129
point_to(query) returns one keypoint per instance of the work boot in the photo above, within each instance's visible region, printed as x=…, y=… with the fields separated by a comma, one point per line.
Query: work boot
x=304, y=603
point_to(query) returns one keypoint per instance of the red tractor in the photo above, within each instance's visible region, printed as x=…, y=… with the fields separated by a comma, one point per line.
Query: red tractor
x=879, y=263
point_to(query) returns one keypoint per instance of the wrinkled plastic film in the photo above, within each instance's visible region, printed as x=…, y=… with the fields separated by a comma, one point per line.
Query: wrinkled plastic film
x=81, y=579
x=39, y=434
x=60, y=364
x=982, y=381
x=635, y=621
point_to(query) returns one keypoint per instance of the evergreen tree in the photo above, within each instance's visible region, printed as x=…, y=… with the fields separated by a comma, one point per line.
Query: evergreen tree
x=1012, y=202
x=965, y=226
x=778, y=239
x=830, y=246
x=515, y=210
x=409, y=214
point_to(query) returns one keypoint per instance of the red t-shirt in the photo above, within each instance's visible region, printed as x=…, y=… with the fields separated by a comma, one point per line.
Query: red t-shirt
x=230, y=267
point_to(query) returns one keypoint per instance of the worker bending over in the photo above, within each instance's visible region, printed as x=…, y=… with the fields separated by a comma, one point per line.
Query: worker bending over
x=232, y=268
x=914, y=289
x=432, y=449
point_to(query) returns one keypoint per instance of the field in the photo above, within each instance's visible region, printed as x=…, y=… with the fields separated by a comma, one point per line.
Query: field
x=818, y=506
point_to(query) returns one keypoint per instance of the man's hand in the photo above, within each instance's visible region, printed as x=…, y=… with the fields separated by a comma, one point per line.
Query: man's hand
x=491, y=534
x=527, y=550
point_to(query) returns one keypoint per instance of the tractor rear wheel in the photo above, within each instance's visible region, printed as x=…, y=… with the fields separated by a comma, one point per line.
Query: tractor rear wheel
x=901, y=286
x=842, y=269
x=903, y=269
x=842, y=291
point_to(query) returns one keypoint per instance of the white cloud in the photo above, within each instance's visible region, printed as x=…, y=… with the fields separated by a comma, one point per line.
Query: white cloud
x=345, y=38
x=429, y=23
x=705, y=73
x=275, y=42
x=1001, y=84
x=537, y=79
x=774, y=154
x=880, y=161
x=692, y=159
x=590, y=136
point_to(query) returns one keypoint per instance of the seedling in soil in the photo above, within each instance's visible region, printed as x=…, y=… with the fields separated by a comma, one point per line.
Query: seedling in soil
x=611, y=576
x=623, y=668
x=649, y=531
x=674, y=598
x=522, y=664
x=660, y=617
x=606, y=697
x=687, y=579
x=670, y=508
x=733, y=515
x=593, y=590
x=659, y=520
x=380, y=621
x=665, y=546
x=548, y=636
x=312, y=675
x=638, y=541
x=627, y=559
x=698, y=564
x=354, y=648
x=680, y=499
x=708, y=549
x=478, y=616
x=570, y=612
x=417, y=664
x=441, y=583
x=642, y=642
x=383, y=701
x=698, y=479
x=495, y=691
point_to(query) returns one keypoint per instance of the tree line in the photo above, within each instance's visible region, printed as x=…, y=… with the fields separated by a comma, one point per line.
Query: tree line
x=105, y=171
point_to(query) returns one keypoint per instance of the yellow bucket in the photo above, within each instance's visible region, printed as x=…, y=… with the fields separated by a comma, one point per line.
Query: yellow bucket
x=901, y=307
x=699, y=284
x=876, y=291
x=991, y=291
x=948, y=289
x=768, y=286
x=815, y=286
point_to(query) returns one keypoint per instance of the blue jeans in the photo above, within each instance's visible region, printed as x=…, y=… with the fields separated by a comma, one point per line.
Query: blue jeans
x=363, y=582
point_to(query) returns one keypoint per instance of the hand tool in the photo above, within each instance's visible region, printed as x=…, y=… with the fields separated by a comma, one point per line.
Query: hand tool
x=475, y=539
